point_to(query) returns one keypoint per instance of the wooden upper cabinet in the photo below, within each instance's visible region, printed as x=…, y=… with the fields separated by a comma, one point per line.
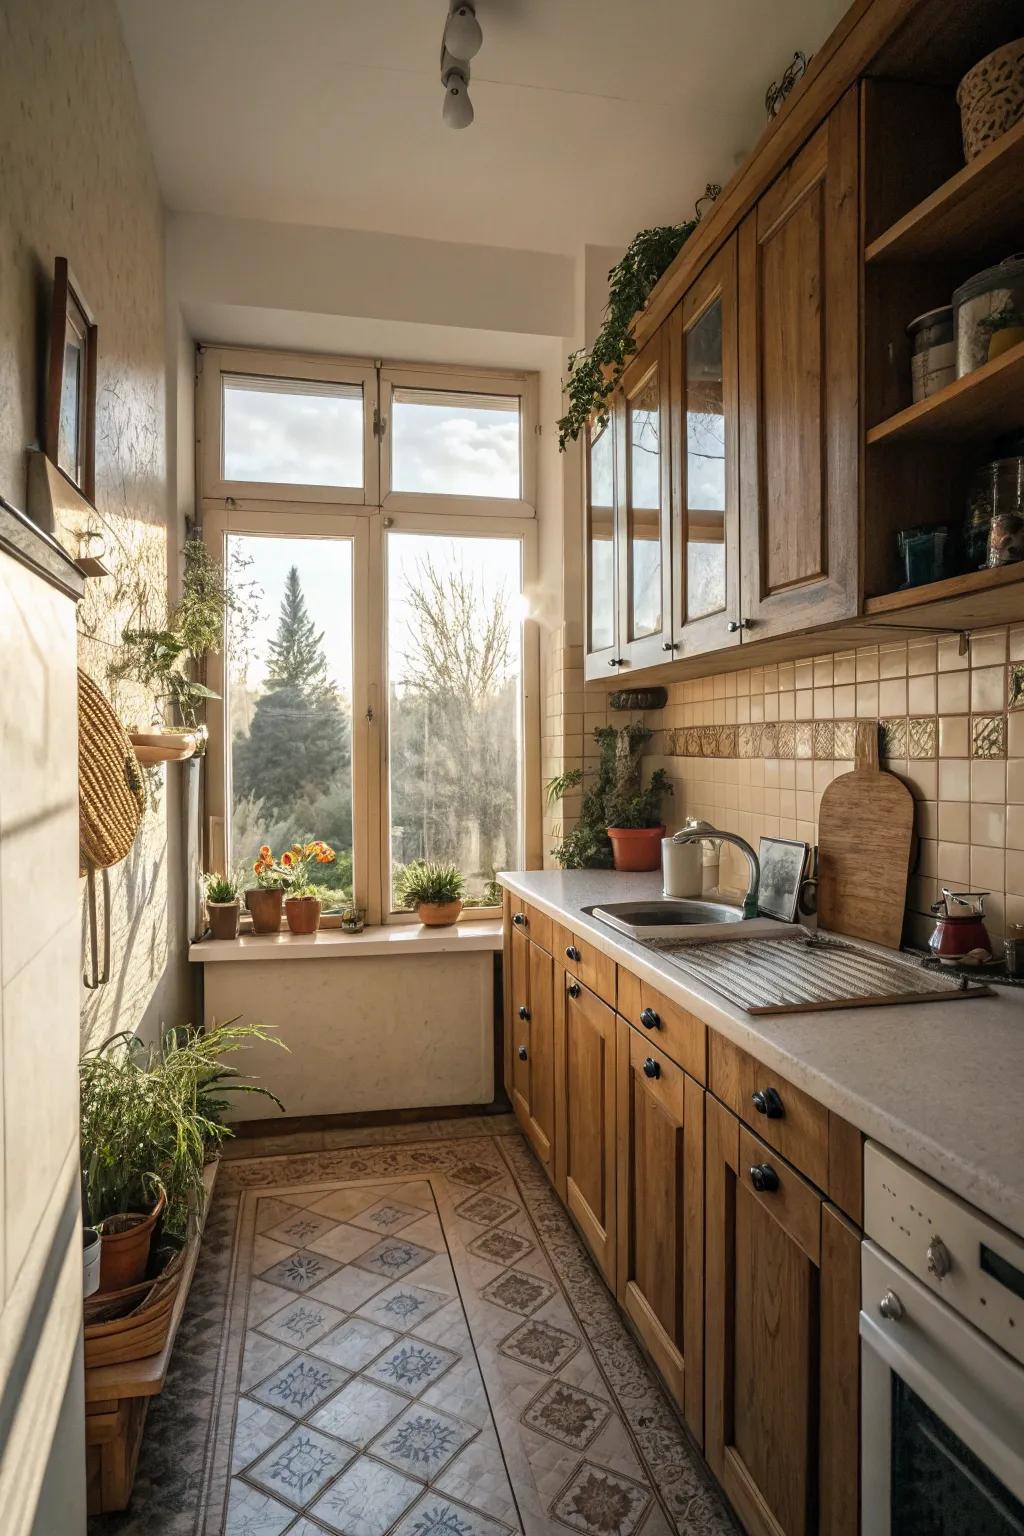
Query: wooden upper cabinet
x=589, y=1106
x=799, y=284
x=661, y=1215
x=781, y=1375
x=533, y=1057
x=600, y=553
x=704, y=401
x=641, y=423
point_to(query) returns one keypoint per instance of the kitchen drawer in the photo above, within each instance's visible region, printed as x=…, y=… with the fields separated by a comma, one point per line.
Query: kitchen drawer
x=789, y=1120
x=789, y=1199
x=534, y=923
x=669, y=1027
x=582, y=960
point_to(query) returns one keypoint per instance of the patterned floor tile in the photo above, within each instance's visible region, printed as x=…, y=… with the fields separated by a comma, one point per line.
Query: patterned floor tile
x=516, y=1291
x=271, y=1212
x=367, y=1499
x=601, y=1503
x=299, y=1228
x=302, y=1322
x=349, y=1288
x=252, y=1513
x=256, y=1430
x=343, y=1242
x=501, y=1246
x=354, y=1343
x=477, y=1175
x=261, y=1356
x=387, y=1217
x=265, y=1299
x=434, y=1516
x=403, y=1306
x=423, y=1441
x=486, y=1210
x=478, y=1476
x=301, y=1465
x=541, y=1345
x=394, y=1258
x=304, y=1526
x=567, y=1414
x=300, y=1386
x=359, y=1412
x=300, y=1271
x=411, y=1366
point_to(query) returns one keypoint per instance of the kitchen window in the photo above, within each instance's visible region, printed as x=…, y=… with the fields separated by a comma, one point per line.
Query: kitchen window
x=379, y=674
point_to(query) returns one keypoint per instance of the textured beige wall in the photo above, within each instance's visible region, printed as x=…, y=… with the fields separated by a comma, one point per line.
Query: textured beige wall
x=77, y=179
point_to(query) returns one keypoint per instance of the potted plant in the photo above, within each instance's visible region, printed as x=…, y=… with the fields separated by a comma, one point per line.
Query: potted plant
x=265, y=899
x=435, y=889
x=619, y=822
x=222, y=905
x=150, y=1121
x=302, y=905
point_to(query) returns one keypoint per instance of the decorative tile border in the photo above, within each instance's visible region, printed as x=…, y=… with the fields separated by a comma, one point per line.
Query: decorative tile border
x=900, y=737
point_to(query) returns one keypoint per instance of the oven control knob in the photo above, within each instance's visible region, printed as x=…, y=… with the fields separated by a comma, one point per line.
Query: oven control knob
x=891, y=1307
x=940, y=1261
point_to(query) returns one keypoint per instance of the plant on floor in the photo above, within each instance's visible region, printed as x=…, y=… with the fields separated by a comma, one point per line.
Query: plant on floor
x=151, y=1118
x=615, y=800
x=593, y=374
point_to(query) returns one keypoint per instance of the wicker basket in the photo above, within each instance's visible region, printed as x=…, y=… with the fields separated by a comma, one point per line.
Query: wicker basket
x=133, y=1323
x=111, y=796
x=991, y=97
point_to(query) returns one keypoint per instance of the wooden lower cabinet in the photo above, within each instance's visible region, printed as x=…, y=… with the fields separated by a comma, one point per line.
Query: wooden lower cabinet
x=533, y=1049
x=661, y=1215
x=781, y=1354
x=588, y=1078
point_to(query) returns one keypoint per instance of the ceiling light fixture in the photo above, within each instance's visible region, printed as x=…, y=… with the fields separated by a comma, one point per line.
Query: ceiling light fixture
x=461, y=42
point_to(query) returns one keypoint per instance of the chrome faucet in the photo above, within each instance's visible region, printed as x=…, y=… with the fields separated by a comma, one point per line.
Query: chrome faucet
x=753, y=862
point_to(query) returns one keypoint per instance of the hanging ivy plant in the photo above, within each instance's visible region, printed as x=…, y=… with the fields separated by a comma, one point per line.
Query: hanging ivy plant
x=592, y=376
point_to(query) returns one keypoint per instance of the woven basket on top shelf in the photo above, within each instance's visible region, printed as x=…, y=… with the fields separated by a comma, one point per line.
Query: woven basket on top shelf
x=111, y=797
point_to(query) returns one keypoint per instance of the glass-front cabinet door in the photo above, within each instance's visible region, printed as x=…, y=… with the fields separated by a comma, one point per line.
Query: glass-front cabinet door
x=641, y=420
x=705, y=465
x=600, y=545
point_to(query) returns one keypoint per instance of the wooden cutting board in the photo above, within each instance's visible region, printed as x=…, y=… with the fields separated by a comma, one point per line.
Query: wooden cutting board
x=865, y=845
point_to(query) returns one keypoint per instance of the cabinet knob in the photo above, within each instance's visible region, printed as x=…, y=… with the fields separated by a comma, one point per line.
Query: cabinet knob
x=649, y=1019
x=522, y=1053
x=940, y=1260
x=524, y=1013
x=519, y=918
x=668, y=645
x=767, y=1102
x=617, y=661
x=764, y=1178
x=572, y=953
x=574, y=989
x=651, y=1068
x=891, y=1307
x=734, y=625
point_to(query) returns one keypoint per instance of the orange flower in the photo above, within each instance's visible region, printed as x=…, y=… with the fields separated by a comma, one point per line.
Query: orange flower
x=265, y=851
x=257, y=867
x=286, y=859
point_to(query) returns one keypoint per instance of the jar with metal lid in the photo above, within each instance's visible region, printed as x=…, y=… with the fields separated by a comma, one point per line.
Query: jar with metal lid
x=994, y=534
x=933, y=352
x=989, y=314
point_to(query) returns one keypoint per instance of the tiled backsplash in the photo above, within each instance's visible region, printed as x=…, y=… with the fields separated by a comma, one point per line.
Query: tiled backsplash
x=752, y=751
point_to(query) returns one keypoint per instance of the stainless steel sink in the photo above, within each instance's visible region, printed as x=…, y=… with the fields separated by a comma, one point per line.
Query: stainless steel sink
x=674, y=918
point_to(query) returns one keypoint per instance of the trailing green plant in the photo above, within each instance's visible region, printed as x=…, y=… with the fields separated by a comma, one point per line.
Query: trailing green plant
x=429, y=882
x=615, y=799
x=165, y=659
x=222, y=888
x=592, y=375
x=151, y=1117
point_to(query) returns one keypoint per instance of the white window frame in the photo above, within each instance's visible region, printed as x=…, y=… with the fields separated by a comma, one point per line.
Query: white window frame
x=289, y=511
x=521, y=387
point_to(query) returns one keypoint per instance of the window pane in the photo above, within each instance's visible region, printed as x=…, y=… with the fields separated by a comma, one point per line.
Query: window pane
x=455, y=445
x=705, y=466
x=644, y=508
x=601, y=542
x=292, y=431
x=454, y=674
x=289, y=700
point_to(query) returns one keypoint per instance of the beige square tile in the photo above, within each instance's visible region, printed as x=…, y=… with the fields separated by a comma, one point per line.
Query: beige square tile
x=1016, y=637
x=804, y=766
x=757, y=707
x=988, y=649
x=787, y=705
x=892, y=697
x=1015, y=781
x=1014, y=876
x=927, y=818
x=771, y=679
x=771, y=706
x=954, y=779
x=988, y=868
x=845, y=668
x=988, y=782
x=988, y=826
x=844, y=700
x=1015, y=826
x=948, y=655
x=954, y=820
x=804, y=703
x=988, y=690
x=824, y=671
x=867, y=699
x=892, y=661
x=923, y=778
x=867, y=664
x=921, y=695
x=786, y=677
x=953, y=693
x=921, y=657
x=954, y=863
x=1015, y=735
x=803, y=674
x=824, y=706
x=954, y=736
x=927, y=857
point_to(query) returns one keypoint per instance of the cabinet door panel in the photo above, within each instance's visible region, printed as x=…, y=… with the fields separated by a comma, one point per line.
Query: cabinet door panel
x=540, y=1123
x=799, y=305
x=519, y=1005
x=600, y=552
x=642, y=430
x=590, y=1121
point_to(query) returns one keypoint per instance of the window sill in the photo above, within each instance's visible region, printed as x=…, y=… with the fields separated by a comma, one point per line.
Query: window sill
x=332, y=944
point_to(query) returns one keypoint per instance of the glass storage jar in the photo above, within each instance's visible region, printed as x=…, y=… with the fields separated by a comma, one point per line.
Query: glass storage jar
x=933, y=352
x=994, y=533
x=989, y=314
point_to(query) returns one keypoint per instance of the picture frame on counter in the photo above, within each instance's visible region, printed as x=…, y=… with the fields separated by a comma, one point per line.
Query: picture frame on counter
x=783, y=862
x=69, y=428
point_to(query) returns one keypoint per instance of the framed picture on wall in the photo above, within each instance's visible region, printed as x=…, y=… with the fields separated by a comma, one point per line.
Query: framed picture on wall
x=69, y=430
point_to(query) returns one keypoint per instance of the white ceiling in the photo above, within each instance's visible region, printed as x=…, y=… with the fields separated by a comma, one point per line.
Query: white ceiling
x=593, y=117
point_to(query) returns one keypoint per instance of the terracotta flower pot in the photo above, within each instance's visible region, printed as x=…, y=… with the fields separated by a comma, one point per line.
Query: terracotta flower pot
x=223, y=916
x=91, y=1252
x=438, y=914
x=125, y=1251
x=265, y=906
x=636, y=848
x=303, y=914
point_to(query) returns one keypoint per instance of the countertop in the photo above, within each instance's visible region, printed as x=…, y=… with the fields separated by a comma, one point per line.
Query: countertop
x=937, y=1083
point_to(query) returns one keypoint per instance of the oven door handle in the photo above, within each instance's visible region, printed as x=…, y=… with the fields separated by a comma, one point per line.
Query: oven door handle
x=950, y=1394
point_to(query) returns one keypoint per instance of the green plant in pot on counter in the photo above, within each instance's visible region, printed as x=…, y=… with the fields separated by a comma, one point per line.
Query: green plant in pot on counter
x=434, y=889
x=223, y=905
x=619, y=822
x=150, y=1122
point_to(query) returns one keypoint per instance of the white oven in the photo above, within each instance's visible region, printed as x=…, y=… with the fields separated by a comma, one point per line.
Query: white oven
x=942, y=1361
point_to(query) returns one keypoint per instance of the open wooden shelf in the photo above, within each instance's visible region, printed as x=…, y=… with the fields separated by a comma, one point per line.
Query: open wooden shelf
x=981, y=404
x=972, y=212
x=986, y=592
